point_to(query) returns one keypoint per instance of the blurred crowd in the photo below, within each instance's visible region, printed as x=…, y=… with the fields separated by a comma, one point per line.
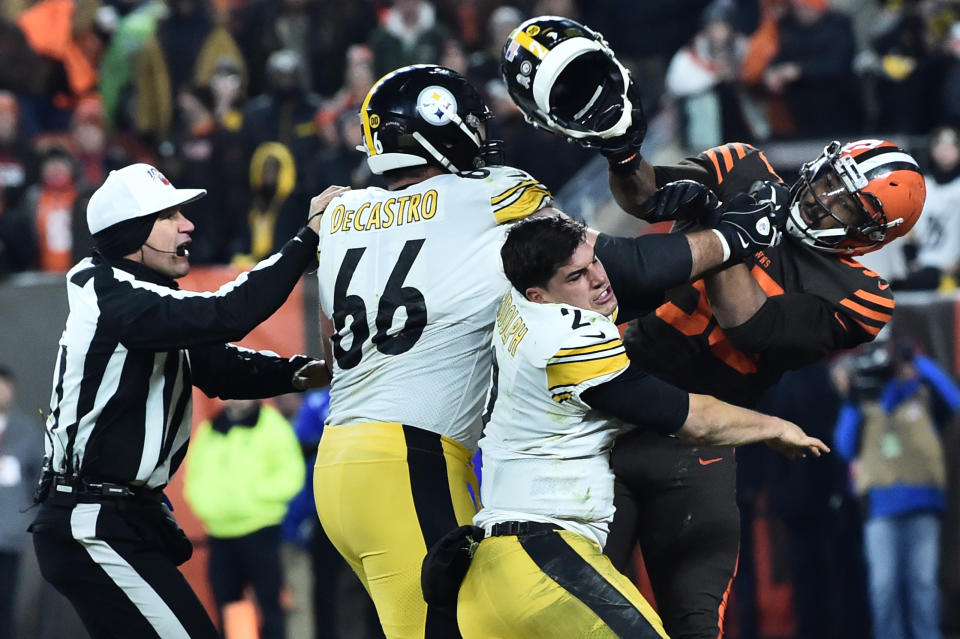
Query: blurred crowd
x=257, y=100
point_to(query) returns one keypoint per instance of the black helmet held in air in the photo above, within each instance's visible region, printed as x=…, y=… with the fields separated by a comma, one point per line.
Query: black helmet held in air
x=566, y=79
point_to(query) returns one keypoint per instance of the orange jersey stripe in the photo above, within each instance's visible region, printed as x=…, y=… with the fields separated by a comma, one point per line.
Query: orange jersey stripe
x=741, y=151
x=855, y=264
x=710, y=153
x=873, y=330
x=766, y=163
x=876, y=299
x=864, y=311
x=727, y=157
x=767, y=283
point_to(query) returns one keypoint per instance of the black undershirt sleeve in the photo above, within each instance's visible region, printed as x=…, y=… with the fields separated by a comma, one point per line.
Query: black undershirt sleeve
x=636, y=397
x=229, y=372
x=642, y=268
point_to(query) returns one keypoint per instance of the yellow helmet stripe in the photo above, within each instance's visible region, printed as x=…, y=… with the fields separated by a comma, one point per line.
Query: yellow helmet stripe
x=365, y=117
x=531, y=45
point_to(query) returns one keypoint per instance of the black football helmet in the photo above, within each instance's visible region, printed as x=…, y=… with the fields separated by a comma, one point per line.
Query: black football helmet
x=424, y=114
x=565, y=78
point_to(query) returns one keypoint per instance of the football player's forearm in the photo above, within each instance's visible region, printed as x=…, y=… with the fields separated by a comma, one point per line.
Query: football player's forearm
x=633, y=188
x=712, y=422
x=706, y=252
x=734, y=295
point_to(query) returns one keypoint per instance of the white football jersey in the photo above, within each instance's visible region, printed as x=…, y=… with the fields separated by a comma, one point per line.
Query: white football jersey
x=546, y=454
x=937, y=233
x=411, y=279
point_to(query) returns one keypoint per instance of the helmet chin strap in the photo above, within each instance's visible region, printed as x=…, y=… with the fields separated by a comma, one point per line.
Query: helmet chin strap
x=432, y=150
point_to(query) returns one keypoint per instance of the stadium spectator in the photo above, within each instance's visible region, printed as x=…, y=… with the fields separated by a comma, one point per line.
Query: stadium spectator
x=243, y=468
x=484, y=65
x=936, y=238
x=281, y=138
x=88, y=141
x=705, y=76
x=119, y=65
x=54, y=32
x=229, y=93
x=408, y=34
x=896, y=403
x=453, y=56
x=905, y=64
x=812, y=69
x=47, y=210
x=949, y=90
x=358, y=78
x=286, y=113
x=212, y=155
x=320, y=31
x=16, y=155
x=21, y=452
x=185, y=49
x=272, y=210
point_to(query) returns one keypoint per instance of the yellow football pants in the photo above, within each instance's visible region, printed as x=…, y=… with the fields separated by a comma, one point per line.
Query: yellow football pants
x=386, y=492
x=550, y=585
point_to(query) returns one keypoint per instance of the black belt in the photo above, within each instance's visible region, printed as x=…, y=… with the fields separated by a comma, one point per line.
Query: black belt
x=84, y=488
x=506, y=528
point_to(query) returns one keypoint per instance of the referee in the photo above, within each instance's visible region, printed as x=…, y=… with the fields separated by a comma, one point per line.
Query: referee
x=133, y=347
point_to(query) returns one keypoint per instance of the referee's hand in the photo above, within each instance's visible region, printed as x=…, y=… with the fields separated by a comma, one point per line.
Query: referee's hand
x=312, y=375
x=319, y=204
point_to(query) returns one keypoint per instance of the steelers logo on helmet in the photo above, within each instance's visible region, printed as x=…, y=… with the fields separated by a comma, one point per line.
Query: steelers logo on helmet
x=435, y=104
x=425, y=114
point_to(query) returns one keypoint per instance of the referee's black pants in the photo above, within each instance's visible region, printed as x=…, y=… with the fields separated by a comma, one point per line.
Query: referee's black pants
x=108, y=559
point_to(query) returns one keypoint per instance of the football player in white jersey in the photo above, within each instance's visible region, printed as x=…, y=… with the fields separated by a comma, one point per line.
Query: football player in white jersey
x=562, y=384
x=410, y=277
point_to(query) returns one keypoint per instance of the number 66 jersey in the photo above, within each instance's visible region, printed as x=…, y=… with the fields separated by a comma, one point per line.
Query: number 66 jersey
x=411, y=280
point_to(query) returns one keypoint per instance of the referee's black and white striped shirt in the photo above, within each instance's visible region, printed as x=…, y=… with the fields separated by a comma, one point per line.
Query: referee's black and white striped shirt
x=133, y=347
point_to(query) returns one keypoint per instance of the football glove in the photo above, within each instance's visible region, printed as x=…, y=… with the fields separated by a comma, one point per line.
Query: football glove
x=747, y=226
x=685, y=200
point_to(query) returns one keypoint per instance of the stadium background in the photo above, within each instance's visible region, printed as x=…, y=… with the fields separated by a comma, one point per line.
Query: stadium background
x=290, y=130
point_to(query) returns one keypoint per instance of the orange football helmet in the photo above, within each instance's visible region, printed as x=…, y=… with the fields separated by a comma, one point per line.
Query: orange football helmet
x=855, y=198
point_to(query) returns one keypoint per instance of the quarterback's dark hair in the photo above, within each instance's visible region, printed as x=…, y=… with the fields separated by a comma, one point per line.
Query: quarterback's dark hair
x=536, y=247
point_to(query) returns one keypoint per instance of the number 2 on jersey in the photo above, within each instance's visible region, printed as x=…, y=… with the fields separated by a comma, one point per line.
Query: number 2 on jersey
x=394, y=296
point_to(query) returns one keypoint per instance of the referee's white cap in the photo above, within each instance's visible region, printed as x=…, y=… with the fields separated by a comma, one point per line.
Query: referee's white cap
x=134, y=191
